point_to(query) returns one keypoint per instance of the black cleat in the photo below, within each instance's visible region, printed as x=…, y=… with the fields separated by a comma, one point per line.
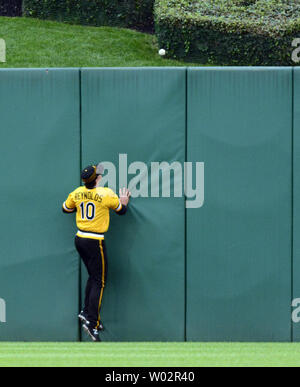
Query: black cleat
x=93, y=333
x=101, y=327
x=83, y=317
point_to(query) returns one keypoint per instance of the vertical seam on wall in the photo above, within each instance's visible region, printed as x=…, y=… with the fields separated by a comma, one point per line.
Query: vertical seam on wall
x=292, y=205
x=80, y=167
x=185, y=209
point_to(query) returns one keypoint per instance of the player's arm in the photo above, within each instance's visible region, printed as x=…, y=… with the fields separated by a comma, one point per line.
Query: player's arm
x=119, y=205
x=124, y=200
x=121, y=209
x=69, y=205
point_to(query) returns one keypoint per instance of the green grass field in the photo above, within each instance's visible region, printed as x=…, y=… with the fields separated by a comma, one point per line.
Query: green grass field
x=36, y=43
x=148, y=354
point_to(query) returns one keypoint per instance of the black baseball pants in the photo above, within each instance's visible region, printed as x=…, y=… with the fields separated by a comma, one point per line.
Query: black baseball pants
x=93, y=254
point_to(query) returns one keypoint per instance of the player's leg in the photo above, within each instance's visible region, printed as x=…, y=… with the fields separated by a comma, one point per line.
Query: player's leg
x=90, y=254
x=103, y=281
x=97, y=268
x=83, y=315
x=87, y=296
x=81, y=246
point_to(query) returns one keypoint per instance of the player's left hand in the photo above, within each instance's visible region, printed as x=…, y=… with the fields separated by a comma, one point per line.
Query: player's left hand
x=124, y=196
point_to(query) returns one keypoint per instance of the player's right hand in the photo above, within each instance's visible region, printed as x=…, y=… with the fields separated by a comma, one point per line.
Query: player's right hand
x=124, y=196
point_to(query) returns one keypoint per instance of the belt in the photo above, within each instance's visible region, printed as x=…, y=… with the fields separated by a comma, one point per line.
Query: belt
x=90, y=235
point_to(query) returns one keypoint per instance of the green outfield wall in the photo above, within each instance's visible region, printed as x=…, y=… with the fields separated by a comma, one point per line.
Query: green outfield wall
x=40, y=162
x=239, y=242
x=227, y=270
x=140, y=113
x=296, y=207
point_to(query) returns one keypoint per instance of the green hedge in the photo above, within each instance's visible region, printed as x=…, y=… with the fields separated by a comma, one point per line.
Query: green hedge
x=136, y=14
x=236, y=32
x=10, y=8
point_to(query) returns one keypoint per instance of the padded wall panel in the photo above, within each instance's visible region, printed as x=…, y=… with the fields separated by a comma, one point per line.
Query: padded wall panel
x=40, y=158
x=140, y=113
x=296, y=207
x=239, y=242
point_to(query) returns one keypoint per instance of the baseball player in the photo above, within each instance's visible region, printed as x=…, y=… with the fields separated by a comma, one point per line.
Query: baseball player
x=92, y=205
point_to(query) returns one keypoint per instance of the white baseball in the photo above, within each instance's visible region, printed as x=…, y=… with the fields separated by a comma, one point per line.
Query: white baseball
x=162, y=52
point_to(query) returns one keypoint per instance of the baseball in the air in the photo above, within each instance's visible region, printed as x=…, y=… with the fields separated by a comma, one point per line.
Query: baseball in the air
x=162, y=52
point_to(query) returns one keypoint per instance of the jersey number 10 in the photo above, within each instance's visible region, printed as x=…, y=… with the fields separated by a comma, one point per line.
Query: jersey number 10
x=88, y=211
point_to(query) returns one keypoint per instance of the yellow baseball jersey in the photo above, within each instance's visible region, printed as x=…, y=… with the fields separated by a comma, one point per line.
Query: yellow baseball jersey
x=92, y=206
